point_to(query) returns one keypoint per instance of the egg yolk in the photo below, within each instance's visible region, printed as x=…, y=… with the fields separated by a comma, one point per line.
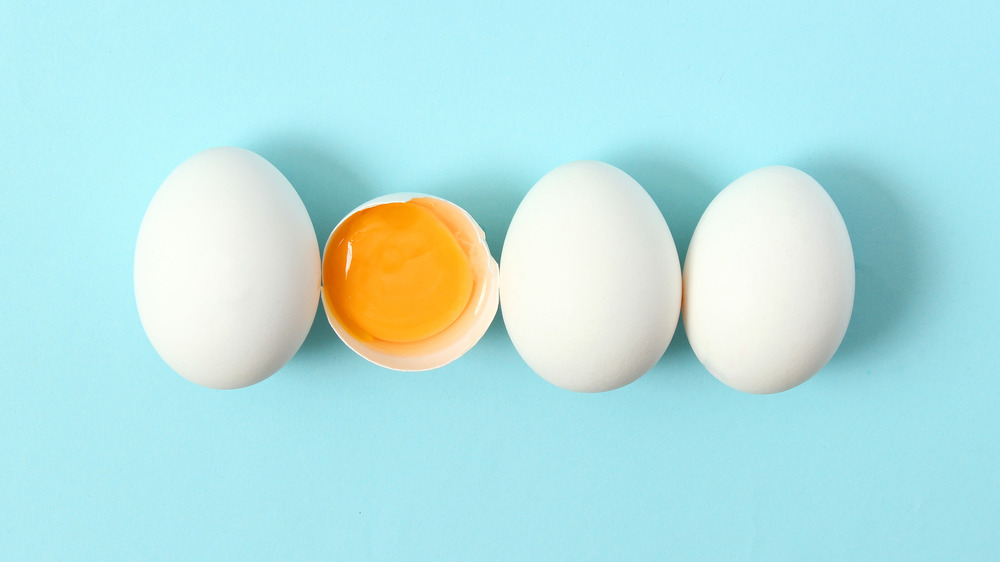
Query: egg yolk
x=396, y=272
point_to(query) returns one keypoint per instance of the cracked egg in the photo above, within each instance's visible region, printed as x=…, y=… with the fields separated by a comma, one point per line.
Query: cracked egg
x=409, y=282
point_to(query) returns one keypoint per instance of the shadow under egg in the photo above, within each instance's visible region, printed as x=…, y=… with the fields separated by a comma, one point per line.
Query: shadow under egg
x=885, y=242
x=330, y=187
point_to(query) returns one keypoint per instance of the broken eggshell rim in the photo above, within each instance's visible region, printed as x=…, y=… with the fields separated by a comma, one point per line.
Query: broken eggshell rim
x=484, y=312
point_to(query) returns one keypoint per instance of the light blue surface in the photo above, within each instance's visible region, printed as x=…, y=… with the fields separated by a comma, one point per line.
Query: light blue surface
x=891, y=452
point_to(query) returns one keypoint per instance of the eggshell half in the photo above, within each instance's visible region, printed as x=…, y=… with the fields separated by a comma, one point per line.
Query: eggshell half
x=590, y=282
x=768, y=281
x=463, y=334
x=227, y=269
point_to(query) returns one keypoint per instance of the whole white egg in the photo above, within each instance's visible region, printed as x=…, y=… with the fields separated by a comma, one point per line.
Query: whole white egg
x=590, y=281
x=227, y=269
x=768, y=281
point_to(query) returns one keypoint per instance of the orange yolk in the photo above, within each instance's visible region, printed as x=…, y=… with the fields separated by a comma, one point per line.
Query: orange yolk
x=396, y=272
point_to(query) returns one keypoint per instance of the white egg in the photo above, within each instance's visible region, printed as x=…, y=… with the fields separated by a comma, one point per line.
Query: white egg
x=768, y=281
x=590, y=282
x=227, y=269
x=386, y=285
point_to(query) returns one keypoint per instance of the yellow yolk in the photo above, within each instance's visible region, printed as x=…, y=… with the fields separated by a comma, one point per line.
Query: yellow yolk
x=396, y=272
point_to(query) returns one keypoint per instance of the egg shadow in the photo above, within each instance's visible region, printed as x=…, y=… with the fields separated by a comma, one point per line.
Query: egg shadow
x=885, y=241
x=492, y=198
x=330, y=188
x=682, y=195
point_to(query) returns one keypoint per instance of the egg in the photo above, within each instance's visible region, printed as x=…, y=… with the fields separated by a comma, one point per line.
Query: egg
x=409, y=282
x=590, y=285
x=768, y=281
x=227, y=269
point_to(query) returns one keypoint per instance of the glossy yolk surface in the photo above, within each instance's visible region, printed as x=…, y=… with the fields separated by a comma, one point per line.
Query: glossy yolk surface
x=395, y=272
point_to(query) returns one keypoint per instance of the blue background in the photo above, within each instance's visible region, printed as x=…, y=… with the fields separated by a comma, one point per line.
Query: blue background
x=891, y=452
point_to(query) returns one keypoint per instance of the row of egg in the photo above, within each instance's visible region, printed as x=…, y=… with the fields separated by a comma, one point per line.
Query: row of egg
x=228, y=274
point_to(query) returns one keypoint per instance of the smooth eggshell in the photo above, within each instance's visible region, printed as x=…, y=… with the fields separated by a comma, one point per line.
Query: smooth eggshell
x=590, y=282
x=768, y=281
x=227, y=269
